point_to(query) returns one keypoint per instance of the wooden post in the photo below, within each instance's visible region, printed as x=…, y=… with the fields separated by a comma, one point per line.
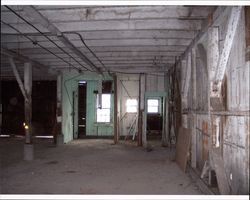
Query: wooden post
x=100, y=92
x=139, y=138
x=165, y=132
x=18, y=78
x=26, y=89
x=28, y=101
x=247, y=19
x=116, y=133
x=142, y=109
x=213, y=51
x=28, y=146
x=186, y=84
x=215, y=93
x=58, y=136
x=194, y=107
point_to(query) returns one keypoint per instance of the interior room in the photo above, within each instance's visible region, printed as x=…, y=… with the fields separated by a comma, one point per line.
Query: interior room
x=129, y=99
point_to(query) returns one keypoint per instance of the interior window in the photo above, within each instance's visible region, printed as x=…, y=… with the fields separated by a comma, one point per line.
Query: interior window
x=103, y=114
x=153, y=105
x=131, y=105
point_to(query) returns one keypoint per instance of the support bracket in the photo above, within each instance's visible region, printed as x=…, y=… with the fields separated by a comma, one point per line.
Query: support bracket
x=18, y=78
x=216, y=82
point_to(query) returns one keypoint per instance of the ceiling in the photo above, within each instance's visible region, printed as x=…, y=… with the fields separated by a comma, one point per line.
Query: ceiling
x=113, y=38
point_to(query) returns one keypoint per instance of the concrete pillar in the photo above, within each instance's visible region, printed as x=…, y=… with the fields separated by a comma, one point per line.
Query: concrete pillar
x=59, y=139
x=28, y=147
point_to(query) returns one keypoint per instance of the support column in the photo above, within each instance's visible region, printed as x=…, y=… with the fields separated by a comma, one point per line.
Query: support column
x=116, y=132
x=142, y=110
x=194, y=107
x=247, y=19
x=215, y=93
x=212, y=65
x=165, y=132
x=140, y=113
x=58, y=136
x=28, y=146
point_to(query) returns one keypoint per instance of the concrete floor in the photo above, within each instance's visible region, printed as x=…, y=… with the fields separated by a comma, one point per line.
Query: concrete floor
x=91, y=167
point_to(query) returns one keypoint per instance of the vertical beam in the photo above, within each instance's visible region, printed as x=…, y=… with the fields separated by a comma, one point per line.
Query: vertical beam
x=58, y=137
x=142, y=109
x=28, y=146
x=188, y=75
x=165, y=132
x=186, y=79
x=183, y=75
x=212, y=64
x=100, y=93
x=247, y=24
x=28, y=102
x=116, y=133
x=139, y=139
x=26, y=89
x=194, y=107
x=1, y=111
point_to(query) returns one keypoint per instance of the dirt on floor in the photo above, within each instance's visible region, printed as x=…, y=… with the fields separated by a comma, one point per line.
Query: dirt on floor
x=91, y=166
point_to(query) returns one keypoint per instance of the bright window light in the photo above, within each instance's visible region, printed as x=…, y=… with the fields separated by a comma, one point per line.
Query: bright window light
x=131, y=105
x=103, y=114
x=153, y=106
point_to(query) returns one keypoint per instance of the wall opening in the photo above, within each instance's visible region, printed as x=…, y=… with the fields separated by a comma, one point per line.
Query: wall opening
x=82, y=95
x=154, y=118
x=103, y=113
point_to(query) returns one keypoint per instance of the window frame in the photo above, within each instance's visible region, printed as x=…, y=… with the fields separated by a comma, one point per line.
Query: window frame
x=136, y=106
x=108, y=108
x=159, y=105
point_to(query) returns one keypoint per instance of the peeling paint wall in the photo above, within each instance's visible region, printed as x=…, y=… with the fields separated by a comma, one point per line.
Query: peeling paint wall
x=236, y=128
x=227, y=129
x=128, y=87
x=70, y=85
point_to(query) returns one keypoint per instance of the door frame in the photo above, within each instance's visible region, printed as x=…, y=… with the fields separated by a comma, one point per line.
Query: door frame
x=151, y=95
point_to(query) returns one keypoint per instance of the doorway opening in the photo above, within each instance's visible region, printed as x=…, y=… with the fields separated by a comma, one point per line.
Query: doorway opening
x=82, y=99
x=154, y=119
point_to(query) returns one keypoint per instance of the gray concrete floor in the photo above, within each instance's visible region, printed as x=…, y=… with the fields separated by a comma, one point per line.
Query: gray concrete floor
x=91, y=167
